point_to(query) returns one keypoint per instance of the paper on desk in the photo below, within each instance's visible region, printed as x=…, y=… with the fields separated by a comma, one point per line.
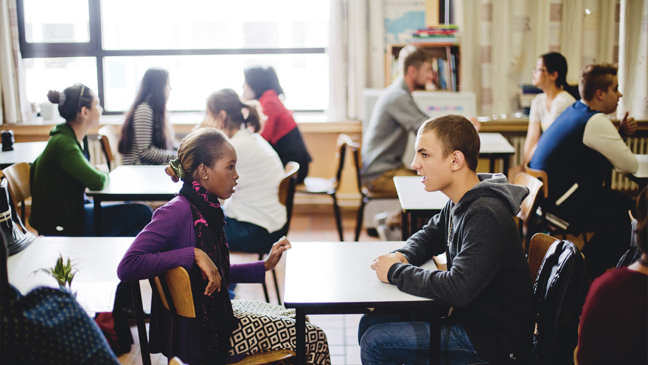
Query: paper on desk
x=97, y=296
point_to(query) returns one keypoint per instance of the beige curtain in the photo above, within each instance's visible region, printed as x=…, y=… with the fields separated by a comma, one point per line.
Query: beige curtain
x=347, y=58
x=14, y=107
x=633, y=59
x=502, y=39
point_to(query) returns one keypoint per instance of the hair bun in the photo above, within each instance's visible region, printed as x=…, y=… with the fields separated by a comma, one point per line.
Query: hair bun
x=54, y=96
x=169, y=171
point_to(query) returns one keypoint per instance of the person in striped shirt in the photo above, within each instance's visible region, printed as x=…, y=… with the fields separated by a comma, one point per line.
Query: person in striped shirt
x=147, y=138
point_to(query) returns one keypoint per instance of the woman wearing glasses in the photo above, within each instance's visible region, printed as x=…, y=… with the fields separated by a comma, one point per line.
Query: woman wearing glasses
x=550, y=75
x=60, y=175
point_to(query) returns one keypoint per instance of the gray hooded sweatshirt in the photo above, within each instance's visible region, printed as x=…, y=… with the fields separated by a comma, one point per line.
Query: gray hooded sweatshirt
x=488, y=279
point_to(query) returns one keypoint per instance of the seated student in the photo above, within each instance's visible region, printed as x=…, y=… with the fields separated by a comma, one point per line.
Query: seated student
x=488, y=280
x=46, y=326
x=394, y=117
x=188, y=232
x=280, y=129
x=147, y=137
x=577, y=152
x=60, y=175
x=614, y=323
x=254, y=214
x=550, y=75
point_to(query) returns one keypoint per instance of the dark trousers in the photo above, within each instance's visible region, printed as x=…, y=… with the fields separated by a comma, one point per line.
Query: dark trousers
x=607, y=214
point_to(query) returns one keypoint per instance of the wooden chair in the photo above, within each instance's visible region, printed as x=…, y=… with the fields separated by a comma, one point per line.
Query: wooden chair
x=320, y=185
x=173, y=291
x=19, y=184
x=538, y=247
x=109, y=141
x=286, y=198
x=547, y=218
x=364, y=191
x=529, y=204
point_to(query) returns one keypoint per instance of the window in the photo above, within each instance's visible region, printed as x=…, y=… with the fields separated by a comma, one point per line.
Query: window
x=205, y=45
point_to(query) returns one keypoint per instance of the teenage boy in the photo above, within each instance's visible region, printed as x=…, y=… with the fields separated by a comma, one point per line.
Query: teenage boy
x=577, y=152
x=488, y=282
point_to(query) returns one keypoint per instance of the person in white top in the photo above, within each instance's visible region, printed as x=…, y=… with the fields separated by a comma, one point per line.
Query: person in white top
x=550, y=75
x=255, y=217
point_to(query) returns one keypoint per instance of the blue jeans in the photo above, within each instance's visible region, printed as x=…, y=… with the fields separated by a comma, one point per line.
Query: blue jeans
x=119, y=219
x=248, y=237
x=402, y=339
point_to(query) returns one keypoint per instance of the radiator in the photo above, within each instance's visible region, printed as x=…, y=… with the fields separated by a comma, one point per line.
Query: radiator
x=638, y=145
x=97, y=156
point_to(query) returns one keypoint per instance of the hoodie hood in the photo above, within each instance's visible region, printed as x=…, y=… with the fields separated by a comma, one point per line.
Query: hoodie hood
x=496, y=186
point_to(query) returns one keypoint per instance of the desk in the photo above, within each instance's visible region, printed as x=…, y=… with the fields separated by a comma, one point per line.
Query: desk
x=335, y=277
x=133, y=183
x=641, y=176
x=96, y=260
x=494, y=146
x=416, y=203
x=22, y=152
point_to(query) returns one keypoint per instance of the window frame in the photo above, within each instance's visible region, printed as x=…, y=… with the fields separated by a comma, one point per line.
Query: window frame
x=94, y=48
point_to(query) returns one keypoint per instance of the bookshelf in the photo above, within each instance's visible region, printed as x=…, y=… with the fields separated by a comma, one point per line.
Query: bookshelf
x=449, y=53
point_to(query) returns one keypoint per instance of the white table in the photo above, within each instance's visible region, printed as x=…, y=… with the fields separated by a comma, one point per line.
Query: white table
x=335, y=277
x=416, y=203
x=133, y=183
x=494, y=146
x=22, y=152
x=96, y=260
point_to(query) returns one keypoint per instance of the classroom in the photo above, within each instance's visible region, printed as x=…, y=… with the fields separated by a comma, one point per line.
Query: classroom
x=324, y=182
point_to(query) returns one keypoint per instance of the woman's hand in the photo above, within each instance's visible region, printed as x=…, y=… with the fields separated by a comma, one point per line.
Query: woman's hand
x=275, y=253
x=209, y=271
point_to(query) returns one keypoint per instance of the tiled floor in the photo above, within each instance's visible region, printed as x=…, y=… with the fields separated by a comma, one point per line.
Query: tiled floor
x=341, y=330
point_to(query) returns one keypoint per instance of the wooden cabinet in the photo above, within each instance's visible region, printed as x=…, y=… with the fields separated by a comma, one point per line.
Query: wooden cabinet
x=446, y=63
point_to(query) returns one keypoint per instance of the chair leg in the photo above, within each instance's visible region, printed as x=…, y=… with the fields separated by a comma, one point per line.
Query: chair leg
x=276, y=283
x=338, y=217
x=265, y=287
x=265, y=292
x=360, y=217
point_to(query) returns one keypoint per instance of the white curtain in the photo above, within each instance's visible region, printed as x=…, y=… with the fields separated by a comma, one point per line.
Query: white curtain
x=347, y=58
x=14, y=107
x=633, y=59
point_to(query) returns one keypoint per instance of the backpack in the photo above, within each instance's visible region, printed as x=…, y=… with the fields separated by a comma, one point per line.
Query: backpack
x=559, y=294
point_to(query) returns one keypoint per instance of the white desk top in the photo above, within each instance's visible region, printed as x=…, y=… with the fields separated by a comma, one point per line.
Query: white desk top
x=412, y=195
x=494, y=143
x=330, y=273
x=139, y=180
x=642, y=172
x=23, y=152
x=97, y=259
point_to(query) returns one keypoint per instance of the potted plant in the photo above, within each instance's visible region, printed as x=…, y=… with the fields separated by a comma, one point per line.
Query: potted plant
x=63, y=273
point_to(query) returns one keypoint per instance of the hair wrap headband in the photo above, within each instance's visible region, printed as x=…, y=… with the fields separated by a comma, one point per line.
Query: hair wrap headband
x=176, y=166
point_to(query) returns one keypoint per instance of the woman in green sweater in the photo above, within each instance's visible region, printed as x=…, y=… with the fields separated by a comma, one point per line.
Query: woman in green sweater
x=60, y=175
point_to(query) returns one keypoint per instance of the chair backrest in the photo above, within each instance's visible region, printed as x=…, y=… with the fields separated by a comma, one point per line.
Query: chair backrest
x=539, y=174
x=538, y=247
x=340, y=154
x=19, y=184
x=287, y=191
x=109, y=141
x=530, y=202
x=174, y=291
x=559, y=294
